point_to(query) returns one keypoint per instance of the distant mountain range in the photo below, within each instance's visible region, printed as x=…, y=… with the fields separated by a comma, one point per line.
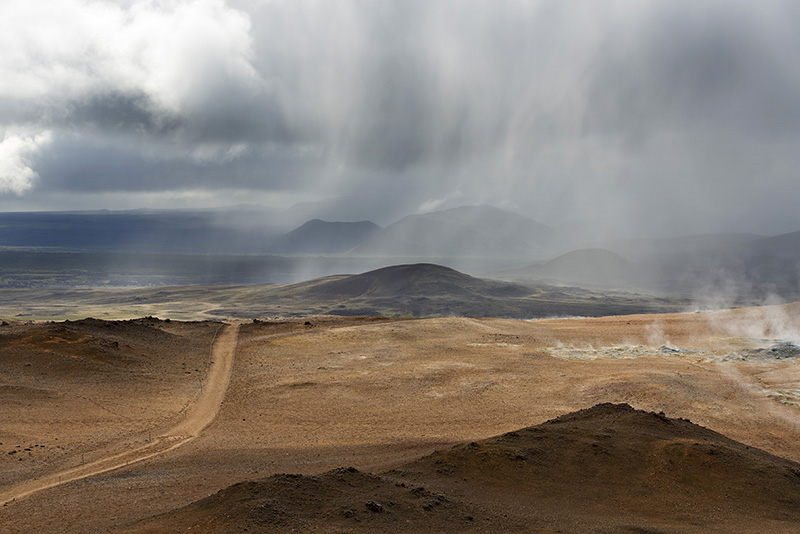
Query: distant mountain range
x=200, y=232
x=469, y=231
x=645, y=249
x=464, y=231
x=141, y=231
x=594, y=266
x=735, y=265
x=321, y=237
x=477, y=239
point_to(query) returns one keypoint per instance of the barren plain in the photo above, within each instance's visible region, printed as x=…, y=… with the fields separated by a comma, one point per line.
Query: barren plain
x=313, y=394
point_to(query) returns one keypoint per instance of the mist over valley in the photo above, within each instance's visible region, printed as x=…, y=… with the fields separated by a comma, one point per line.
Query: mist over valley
x=399, y=266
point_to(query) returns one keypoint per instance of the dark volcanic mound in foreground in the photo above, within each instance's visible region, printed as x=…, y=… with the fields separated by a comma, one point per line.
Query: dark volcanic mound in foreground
x=609, y=468
x=342, y=500
x=614, y=459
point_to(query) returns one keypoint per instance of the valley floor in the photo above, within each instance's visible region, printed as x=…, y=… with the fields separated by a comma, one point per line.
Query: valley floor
x=312, y=394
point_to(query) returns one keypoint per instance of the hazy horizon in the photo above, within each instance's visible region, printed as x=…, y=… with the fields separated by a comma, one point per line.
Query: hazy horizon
x=668, y=117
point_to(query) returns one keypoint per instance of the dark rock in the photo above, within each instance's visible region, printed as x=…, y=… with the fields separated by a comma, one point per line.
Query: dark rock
x=375, y=507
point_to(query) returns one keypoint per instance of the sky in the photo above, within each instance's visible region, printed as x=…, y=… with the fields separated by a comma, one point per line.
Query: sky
x=668, y=116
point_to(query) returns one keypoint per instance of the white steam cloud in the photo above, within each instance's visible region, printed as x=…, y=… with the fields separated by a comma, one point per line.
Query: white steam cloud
x=773, y=321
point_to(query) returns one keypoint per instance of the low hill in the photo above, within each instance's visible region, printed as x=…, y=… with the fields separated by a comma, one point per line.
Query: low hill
x=425, y=290
x=609, y=468
x=416, y=280
x=754, y=268
x=618, y=461
x=646, y=249
x=784, y=245
x=745, y=268
x=465, y=231
x=322, y=237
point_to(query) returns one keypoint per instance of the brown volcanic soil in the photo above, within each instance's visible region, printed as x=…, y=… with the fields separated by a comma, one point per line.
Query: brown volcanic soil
x=377, y=394
x=626, y=469
x=341, y=500
x=69, y=389
x=610, y=465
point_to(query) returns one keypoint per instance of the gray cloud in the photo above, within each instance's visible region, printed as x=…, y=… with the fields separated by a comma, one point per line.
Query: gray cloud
x=720, y=66
x=561, y=110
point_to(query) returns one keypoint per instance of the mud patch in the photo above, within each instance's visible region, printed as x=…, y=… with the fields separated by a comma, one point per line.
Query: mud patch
x=619, y=352
x=790, y=397
x=777, y=351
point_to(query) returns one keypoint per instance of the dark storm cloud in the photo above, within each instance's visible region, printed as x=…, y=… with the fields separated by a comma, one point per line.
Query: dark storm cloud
x=118, y=112
x=73, y=164
x=562, y=110
x=224, y=117
x=716, y=66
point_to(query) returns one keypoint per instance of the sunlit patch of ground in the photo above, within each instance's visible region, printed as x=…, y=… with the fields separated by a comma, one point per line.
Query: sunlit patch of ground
x=778, y=359
x=316, y=393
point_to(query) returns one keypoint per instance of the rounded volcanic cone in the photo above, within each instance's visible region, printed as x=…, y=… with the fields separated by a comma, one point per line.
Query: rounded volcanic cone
x=419, y=279
x=612, y=459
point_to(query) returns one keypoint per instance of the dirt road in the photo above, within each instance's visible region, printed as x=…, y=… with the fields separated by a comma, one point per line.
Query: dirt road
x=196, y=417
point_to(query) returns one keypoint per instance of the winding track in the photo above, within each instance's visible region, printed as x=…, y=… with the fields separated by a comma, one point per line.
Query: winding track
x=198, y=416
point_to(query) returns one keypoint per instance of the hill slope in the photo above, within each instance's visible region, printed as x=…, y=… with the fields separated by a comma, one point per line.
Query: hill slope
x=464, y=231
x=644, y=463
x=646, y=249
x=417, y=280
x=784, y=245
x=322, y=237
x=594, y=266
x=424, y=290
x=609, y=468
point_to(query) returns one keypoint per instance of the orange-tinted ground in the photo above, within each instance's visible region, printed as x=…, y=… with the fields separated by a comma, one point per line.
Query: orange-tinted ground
x=608, y=468
x=375, y=394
